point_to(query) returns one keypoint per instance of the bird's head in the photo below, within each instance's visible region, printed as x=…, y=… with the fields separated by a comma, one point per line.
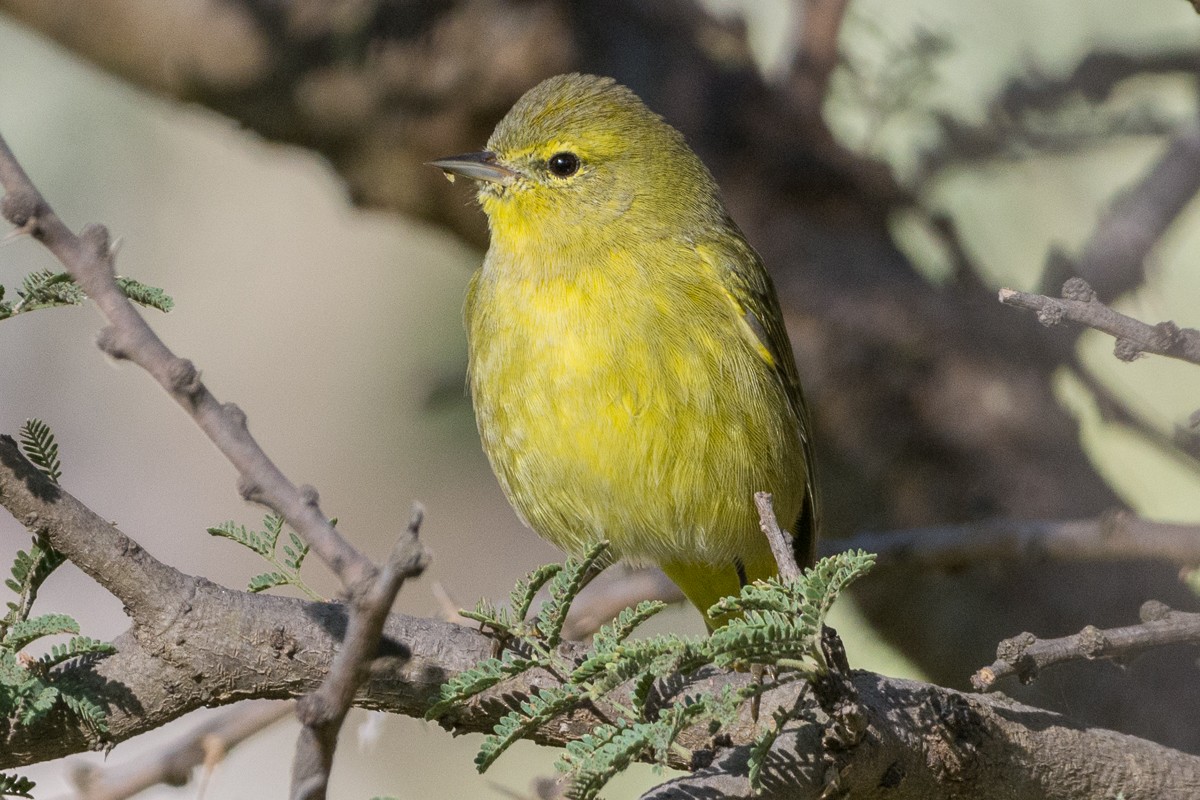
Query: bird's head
x=580, y=155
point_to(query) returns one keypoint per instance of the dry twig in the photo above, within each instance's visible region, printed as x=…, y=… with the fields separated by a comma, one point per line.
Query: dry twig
x=173, y=764
x=1134, y=337
x=1026, y=655
x=89, y=259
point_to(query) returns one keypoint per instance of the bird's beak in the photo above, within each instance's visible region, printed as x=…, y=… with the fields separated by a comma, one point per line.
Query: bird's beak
x=480, y=166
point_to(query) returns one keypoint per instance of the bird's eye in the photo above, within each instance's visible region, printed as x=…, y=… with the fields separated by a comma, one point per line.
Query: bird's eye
x=564, y=165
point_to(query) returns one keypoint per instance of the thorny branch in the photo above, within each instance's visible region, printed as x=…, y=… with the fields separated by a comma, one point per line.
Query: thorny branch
x=1079, y=304
x=1026, y=655
x=89, y=260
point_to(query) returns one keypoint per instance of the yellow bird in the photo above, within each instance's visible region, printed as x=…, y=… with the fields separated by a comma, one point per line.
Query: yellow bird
x=628, y=363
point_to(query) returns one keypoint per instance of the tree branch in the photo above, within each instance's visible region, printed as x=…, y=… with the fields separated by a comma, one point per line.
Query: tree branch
x=1026, y=655
x=89, y=260
x=221, y=646
x=1115, y=537
x=173, y=764
x=1112, y=261
x=322, y=712
x=1079, y=304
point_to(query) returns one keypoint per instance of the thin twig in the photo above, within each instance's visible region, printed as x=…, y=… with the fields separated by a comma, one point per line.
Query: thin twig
x=322, y=712
x=173, y=765
x=779, y=539
x=1134, y=337
x=89, y=258
x=1026, y=655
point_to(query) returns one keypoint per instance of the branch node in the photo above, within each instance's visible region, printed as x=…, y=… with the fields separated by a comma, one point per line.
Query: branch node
x=109, y=340
x=235, y=415
x=96, y=240
x=1092, y=642
x=22, y=207
x=1126, y=349
x=309, y=496
x=1078, y=289
x=1167, y=336
x=1050, y=315
x=1153, y=610
x=183, y=377
x=249, y=489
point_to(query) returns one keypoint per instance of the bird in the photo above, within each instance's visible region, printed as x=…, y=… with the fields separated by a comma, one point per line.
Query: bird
x=630, y=371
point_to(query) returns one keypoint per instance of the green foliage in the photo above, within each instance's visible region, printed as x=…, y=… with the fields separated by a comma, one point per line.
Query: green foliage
x=143, y=295
x=39, y=446
x=29, y=571
x=15, y=786
x=773, y=623
x=29, y=690
x=46, y=289
x=266, y=544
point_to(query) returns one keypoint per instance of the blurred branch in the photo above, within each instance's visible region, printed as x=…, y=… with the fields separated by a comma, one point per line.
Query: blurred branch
x=1015, y=121
x=1183, y=442
x=1117, y=537
x=1026, y=655
x=815, y=48
x=1113, y=259
x=1134, y=338
x=172, y=765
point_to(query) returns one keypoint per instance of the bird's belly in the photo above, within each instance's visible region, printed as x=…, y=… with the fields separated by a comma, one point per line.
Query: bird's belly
x=653, y=440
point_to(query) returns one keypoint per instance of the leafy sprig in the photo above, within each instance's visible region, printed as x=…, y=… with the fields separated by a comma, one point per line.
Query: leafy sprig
x=286, y=559
x=29, y=690
x=46, y=289
x=772, y=623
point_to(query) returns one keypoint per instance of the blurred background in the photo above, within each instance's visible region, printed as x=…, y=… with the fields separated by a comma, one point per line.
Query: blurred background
x=338, y=329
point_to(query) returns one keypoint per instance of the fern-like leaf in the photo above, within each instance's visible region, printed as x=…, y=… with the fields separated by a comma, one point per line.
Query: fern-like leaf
x=267, y=580
x=148, y=296
x=16, y=786
x=37, y=442
x=513, y=726
x=599, y=758
x=760, y=750
x=521, y=597
x=38, y=704
x=295, y=552
x=246, y=538
x=564, y=587
x=12, y=676
x=22, y=633
x=29, y=571
x=479, y=678
x=46, y=289
x=77, y=647
x=617, y=631
x=88, y=710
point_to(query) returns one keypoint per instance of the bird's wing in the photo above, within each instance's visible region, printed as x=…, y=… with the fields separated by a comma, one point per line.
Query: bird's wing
x=749, y=286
